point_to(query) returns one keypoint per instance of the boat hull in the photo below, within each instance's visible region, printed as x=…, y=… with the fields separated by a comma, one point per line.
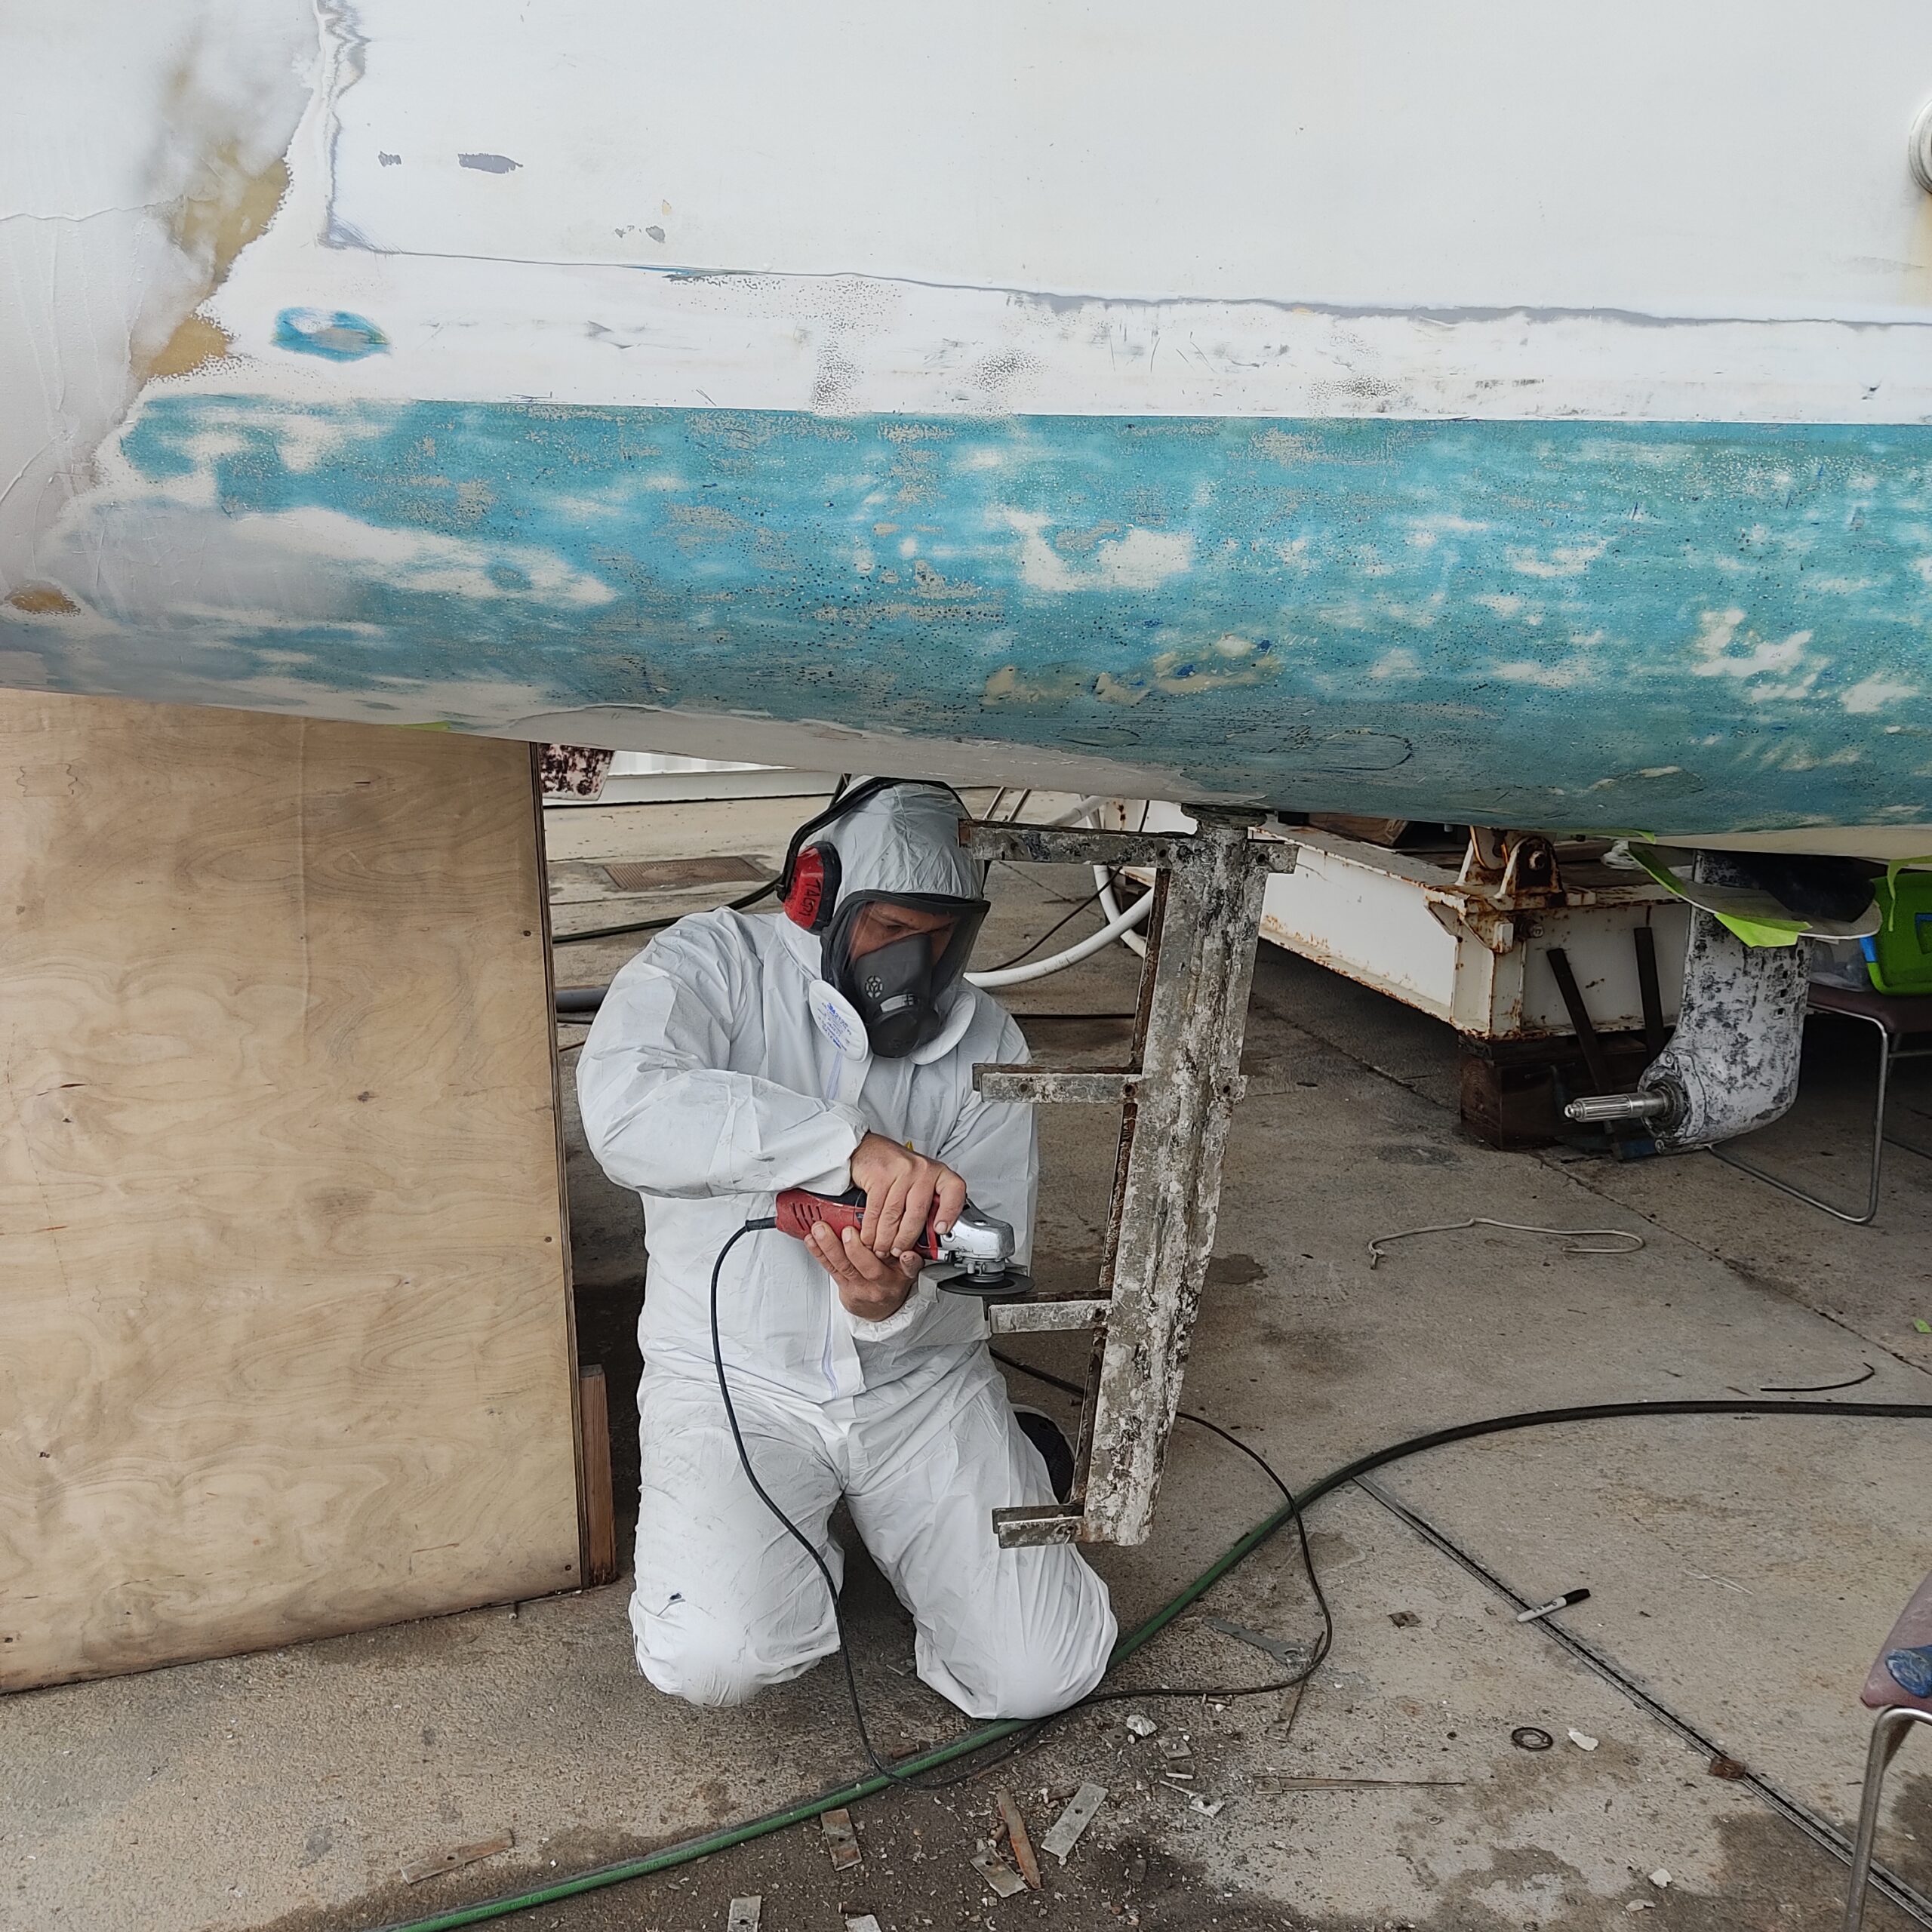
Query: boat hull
x=1297, y=498
x=1672, y=628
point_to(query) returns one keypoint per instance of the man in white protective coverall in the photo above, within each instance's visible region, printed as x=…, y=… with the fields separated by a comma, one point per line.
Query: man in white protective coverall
x=831, y=1044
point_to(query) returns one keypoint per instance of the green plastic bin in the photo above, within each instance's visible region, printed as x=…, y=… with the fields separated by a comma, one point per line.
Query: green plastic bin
x=1899, y=955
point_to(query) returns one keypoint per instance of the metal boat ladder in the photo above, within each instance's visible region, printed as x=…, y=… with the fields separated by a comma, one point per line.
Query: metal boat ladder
x=1177, y=1098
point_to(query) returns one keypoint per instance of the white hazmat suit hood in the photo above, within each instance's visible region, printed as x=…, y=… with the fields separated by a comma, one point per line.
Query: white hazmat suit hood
x=900, y=848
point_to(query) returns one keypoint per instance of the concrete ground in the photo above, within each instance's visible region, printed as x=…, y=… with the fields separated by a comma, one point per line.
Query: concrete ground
x=1741, y=1573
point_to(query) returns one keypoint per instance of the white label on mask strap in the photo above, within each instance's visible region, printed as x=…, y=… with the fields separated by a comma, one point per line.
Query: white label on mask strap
x=837, y=1019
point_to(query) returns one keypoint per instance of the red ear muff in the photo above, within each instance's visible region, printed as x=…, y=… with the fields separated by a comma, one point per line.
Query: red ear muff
x=813, y=891
x=808, y=882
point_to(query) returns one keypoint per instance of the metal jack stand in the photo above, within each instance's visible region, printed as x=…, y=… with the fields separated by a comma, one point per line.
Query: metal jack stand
x=1176, y=1100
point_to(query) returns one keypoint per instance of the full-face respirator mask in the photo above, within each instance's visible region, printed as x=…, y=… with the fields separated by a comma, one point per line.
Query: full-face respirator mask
x=900, y=989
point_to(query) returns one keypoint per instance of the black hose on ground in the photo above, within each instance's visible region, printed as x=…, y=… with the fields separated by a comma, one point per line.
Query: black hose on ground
x=978, y=1740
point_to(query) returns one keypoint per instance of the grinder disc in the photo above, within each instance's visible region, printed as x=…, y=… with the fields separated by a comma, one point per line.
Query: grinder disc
x=1009, y=1284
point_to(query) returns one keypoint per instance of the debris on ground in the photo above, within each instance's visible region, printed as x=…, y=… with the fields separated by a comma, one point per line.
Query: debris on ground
x=745, y=1914
x=862, y=1921
x=987, y=1862
x=1294, y=1656
x=1573, y=1239
x=1660, y=1877
x=840, y=1840
x=432, y=1864
x=1564, y=1602
x=1298, y=1781
x=1404, y=1620
x=1018, y=1840
x=1531, y=1737
x=1582, y=1740
x=1140, y=1725
x=1064, y=1833
x=1208, y=1808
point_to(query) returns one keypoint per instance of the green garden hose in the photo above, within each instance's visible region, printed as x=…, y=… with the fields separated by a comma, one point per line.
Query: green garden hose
x=691, y=1850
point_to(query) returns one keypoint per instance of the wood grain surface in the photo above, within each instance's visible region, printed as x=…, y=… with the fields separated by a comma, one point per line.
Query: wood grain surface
x=285, y=1342
x=600, y=1511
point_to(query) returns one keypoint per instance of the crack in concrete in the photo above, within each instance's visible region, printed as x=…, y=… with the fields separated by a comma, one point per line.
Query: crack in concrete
x=1819, y=1830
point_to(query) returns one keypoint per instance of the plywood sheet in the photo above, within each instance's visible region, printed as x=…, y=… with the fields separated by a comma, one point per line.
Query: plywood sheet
x=283, y=1283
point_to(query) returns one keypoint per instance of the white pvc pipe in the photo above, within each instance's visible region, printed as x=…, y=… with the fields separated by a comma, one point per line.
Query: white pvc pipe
x=1104, y=880
x=1086, y=808
x=1110, y=906
x=1119, y=925
x=1038, y=969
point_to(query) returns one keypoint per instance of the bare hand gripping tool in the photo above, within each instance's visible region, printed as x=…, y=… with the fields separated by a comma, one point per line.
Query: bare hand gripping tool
x=981, y=1246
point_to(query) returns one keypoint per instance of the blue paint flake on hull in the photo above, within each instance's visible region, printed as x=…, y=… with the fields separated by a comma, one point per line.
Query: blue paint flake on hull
x=1676, y=626
x=334, y=335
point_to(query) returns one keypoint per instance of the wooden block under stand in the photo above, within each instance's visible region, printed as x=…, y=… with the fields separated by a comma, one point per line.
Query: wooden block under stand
x=283, y=1277
x=1510, y=1088
x=600, y=1510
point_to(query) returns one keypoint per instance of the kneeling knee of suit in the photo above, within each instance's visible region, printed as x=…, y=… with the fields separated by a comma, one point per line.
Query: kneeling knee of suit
x=700, y=1659
x=706, y=1675
x=1037, y=1687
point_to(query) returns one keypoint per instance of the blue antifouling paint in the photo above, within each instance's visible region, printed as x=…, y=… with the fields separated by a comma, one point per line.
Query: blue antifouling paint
x=1911, y=1670
x=1664, y=627
x=334, y=334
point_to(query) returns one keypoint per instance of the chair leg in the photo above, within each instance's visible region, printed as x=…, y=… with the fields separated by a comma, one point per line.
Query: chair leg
x=1811, y=1200
x=1878, y=1120
x=1887, y=1735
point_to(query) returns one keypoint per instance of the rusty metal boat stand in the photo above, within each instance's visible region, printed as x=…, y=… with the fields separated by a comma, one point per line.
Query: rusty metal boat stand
x=1176, y=1100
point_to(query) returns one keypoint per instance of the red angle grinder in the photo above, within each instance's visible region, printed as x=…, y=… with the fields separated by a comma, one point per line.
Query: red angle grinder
x=982, y=1246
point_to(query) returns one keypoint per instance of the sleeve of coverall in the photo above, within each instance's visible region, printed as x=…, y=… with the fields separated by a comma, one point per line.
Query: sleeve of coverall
x=661, y=1112
x=994, y=1147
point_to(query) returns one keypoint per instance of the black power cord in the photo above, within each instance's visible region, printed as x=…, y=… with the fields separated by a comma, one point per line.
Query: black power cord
x=1026, y=953
x=974, y=1745
x=1032, y=1732
x=1324, y=1643
x=1293, y=1509
x=1019, y=1741
x=742, y=904
x=1092, y=899
x=846, y=797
